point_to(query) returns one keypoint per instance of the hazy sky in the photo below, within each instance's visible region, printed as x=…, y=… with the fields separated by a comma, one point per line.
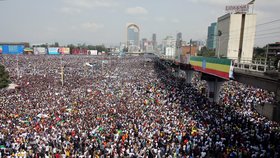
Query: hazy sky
x=104, y=21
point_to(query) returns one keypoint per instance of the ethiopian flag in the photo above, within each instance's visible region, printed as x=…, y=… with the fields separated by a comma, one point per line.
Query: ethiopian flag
x=212, y=66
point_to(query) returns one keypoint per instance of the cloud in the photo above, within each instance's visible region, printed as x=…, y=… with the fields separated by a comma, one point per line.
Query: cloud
x=136, y=11
x=90, y=3
x=92, y=26
x=175, y=20
x=70, y=10
x=160, y=19
x=210, y=2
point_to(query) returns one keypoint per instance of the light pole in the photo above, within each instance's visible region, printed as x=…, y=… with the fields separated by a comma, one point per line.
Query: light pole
x=219, y=36
x=17, y=68
x=62, y=71
x=266, y=54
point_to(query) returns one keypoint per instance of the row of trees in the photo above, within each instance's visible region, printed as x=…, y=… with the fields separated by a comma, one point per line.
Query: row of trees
x=4, y=77
x=257, y=54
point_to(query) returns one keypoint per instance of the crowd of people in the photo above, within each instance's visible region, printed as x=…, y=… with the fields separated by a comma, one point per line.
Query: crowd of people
x=121, y=107
x=234, y=93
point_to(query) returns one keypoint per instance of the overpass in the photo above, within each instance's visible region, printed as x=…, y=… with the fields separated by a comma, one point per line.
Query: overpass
x=255, y=73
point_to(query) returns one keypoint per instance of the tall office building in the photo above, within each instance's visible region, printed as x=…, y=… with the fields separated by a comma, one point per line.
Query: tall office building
x=144, y=44
x=179, y=36
x=236, y=36
x=179, y=40
x=212, y=36
x=133, y=37
x=169, y=47
x=154, y=41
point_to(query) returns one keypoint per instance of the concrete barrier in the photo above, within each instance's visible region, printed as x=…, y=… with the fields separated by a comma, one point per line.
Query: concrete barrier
x=271, y=111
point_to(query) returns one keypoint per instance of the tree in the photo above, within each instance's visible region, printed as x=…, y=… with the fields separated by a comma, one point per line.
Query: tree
x=56, y=44
x=125, y=49
x=4, y=77
x=206, y=52
x=259, y=52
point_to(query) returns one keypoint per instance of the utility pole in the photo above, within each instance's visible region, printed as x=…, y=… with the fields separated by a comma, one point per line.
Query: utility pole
x=190, y=46
x=266, y=54
x=219, y=39
x=62, y=71
x=17, y=68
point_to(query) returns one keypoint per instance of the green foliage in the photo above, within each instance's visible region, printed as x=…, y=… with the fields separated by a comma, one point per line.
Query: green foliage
x=125, y=49
x=99, y=48
x=4, y=77
x=259, y=52
x=206, y=52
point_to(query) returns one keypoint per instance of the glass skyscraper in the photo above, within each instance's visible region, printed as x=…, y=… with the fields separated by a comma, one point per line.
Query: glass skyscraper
x=212, y=36
x=133, y=36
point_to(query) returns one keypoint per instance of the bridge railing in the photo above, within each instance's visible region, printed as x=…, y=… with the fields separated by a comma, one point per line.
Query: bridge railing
x=259, y=65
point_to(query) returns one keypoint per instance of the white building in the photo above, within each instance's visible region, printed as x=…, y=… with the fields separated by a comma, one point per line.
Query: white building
x=169, y=47
x=236, y=36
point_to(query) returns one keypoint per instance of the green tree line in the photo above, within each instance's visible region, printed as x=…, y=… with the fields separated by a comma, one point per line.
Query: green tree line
x=4, y=77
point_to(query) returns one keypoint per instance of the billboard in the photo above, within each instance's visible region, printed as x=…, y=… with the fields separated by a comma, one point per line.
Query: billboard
x=213, y=66
x=12, y=49
x=39, y=50
x=237, y=8
x=93, y=52
x=1, y=49
x=79, y=51
x=53, y=51
x=64, y=50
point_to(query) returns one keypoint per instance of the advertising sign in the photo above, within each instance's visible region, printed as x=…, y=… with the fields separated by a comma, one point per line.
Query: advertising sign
x=53, y=51
x=93, y=52
x=213, y=66
x=39, y=50
x=237, y=8
x=64, y=50
x=11, y=49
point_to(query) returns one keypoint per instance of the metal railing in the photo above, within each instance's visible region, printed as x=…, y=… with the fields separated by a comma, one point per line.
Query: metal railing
x=259, y=65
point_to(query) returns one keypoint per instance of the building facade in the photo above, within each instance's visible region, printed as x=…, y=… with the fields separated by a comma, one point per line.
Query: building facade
x=133, y=37
x=212, y=36
x=236, y=36
x=144, y=44
x=154, y=41
x=169, y=47
x=273, y=49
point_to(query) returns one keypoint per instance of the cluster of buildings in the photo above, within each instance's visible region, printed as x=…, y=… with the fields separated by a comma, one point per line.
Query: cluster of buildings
x=170, y=47
x=232, y=36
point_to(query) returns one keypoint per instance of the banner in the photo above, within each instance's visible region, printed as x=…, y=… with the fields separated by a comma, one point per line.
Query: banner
x=77, y=51
x=39, y=50
x=237, y=8
x=1, y=49
x=213, y=66
x=12, y=49
x=93, y=52
x=53, y=51
x=64, y=50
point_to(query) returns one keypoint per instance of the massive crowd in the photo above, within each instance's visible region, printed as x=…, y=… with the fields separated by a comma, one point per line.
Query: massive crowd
x=121, y=107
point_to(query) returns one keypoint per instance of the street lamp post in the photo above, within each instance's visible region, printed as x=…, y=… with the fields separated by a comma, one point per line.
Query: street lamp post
x=62, y=71
x=266, y=54
x=17, y=68
x=219, y=39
